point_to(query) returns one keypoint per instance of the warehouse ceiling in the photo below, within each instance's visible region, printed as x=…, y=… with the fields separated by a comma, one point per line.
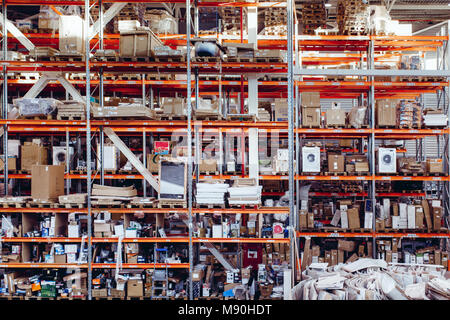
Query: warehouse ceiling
x=420, y=13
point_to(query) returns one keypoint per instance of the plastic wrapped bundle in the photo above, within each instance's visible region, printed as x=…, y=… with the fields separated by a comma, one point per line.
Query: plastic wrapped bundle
x=30, y=107
x=206, y=49
x=356, y=116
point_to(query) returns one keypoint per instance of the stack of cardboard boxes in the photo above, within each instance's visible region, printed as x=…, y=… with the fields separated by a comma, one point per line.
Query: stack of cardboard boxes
x=420, y=215
x=405, y=251
x=311, y=116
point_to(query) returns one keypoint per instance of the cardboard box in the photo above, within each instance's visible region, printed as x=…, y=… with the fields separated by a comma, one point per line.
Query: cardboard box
x=311, y=116
x=102, y=226
x=419, y=218
x=315, y=251
x=153, y=162
x=353, y=218
x=437, y=218
x=386, y=112
x=362, y=166
x=334, y=257
x=310, y=220
x=340, y=256
x=335, y=117
x=59, y=258
x=99, y=293
x=311, y=99
x=303, y=220
x=435, y=166
x=47, y=182
x=207, y=165
x=33, y=154
x=281, y=110
x=335, y=163
x=135, y=288
x=12, y=163
x=346, y=245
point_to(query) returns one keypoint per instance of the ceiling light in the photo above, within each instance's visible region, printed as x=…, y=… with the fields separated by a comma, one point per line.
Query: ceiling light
x=329, y=5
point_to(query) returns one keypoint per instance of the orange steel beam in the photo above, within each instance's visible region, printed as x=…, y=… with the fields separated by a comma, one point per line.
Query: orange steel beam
x=56, y=10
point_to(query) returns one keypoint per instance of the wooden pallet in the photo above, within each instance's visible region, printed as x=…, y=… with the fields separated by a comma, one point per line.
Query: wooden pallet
x=170, y=117
x=36, y=204
x=141, y=205
x=212, y=117
x=172, y=204
x=239, y=59
x=134, y=59
x=69, y=205
x=41, y=117
x=210, y=206
x=206, y=59
x=67, y=58
x=71, y=118
x=245, y=206
x=170, y=59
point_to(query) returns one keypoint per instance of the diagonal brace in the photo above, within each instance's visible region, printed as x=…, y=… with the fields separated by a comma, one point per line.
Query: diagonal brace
x=132, y=158
x=18, y=34
x=107, y=17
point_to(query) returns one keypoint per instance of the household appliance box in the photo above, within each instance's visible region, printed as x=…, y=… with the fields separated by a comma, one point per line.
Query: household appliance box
x=311, y=159
x=71, y=34
x=47, y=182
x=59, y=155
x=387, y=160
x=110, y=158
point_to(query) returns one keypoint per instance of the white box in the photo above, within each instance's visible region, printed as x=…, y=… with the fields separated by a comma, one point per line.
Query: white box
x=225, y=229
x=110, y=157
x=304, y=205
x=118, y=230
x=387, y=160
x=71, y=34
x=394, y=257
x=386, y=207
x=402, y=210
x=311, y=159
x=206, y=290
x=283, y=154
x=128, y=25
x=230, y=277
x=407, y=257
x=419, y=259
x=59, y=155
x=71, y=257
x=368, y=220
x=131, y=233
x=344, y=220
x=73, y=231
x=71, y=248
x=395, y=222
x=411, y=217
x=413, y=259
x=278, y=230
x=13, y=148
x=231, y=166
x=435, y=203
x=217, y=231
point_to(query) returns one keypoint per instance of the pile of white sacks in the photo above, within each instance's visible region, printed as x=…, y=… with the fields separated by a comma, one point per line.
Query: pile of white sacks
x=371, y=279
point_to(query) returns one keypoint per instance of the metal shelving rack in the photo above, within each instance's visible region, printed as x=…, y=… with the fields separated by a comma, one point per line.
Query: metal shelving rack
x=297, y=81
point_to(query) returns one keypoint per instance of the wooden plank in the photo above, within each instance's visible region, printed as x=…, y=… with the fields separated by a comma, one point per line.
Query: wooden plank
x=132, y=158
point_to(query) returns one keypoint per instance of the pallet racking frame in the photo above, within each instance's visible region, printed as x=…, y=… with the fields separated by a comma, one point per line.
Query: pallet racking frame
x=298, y=79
